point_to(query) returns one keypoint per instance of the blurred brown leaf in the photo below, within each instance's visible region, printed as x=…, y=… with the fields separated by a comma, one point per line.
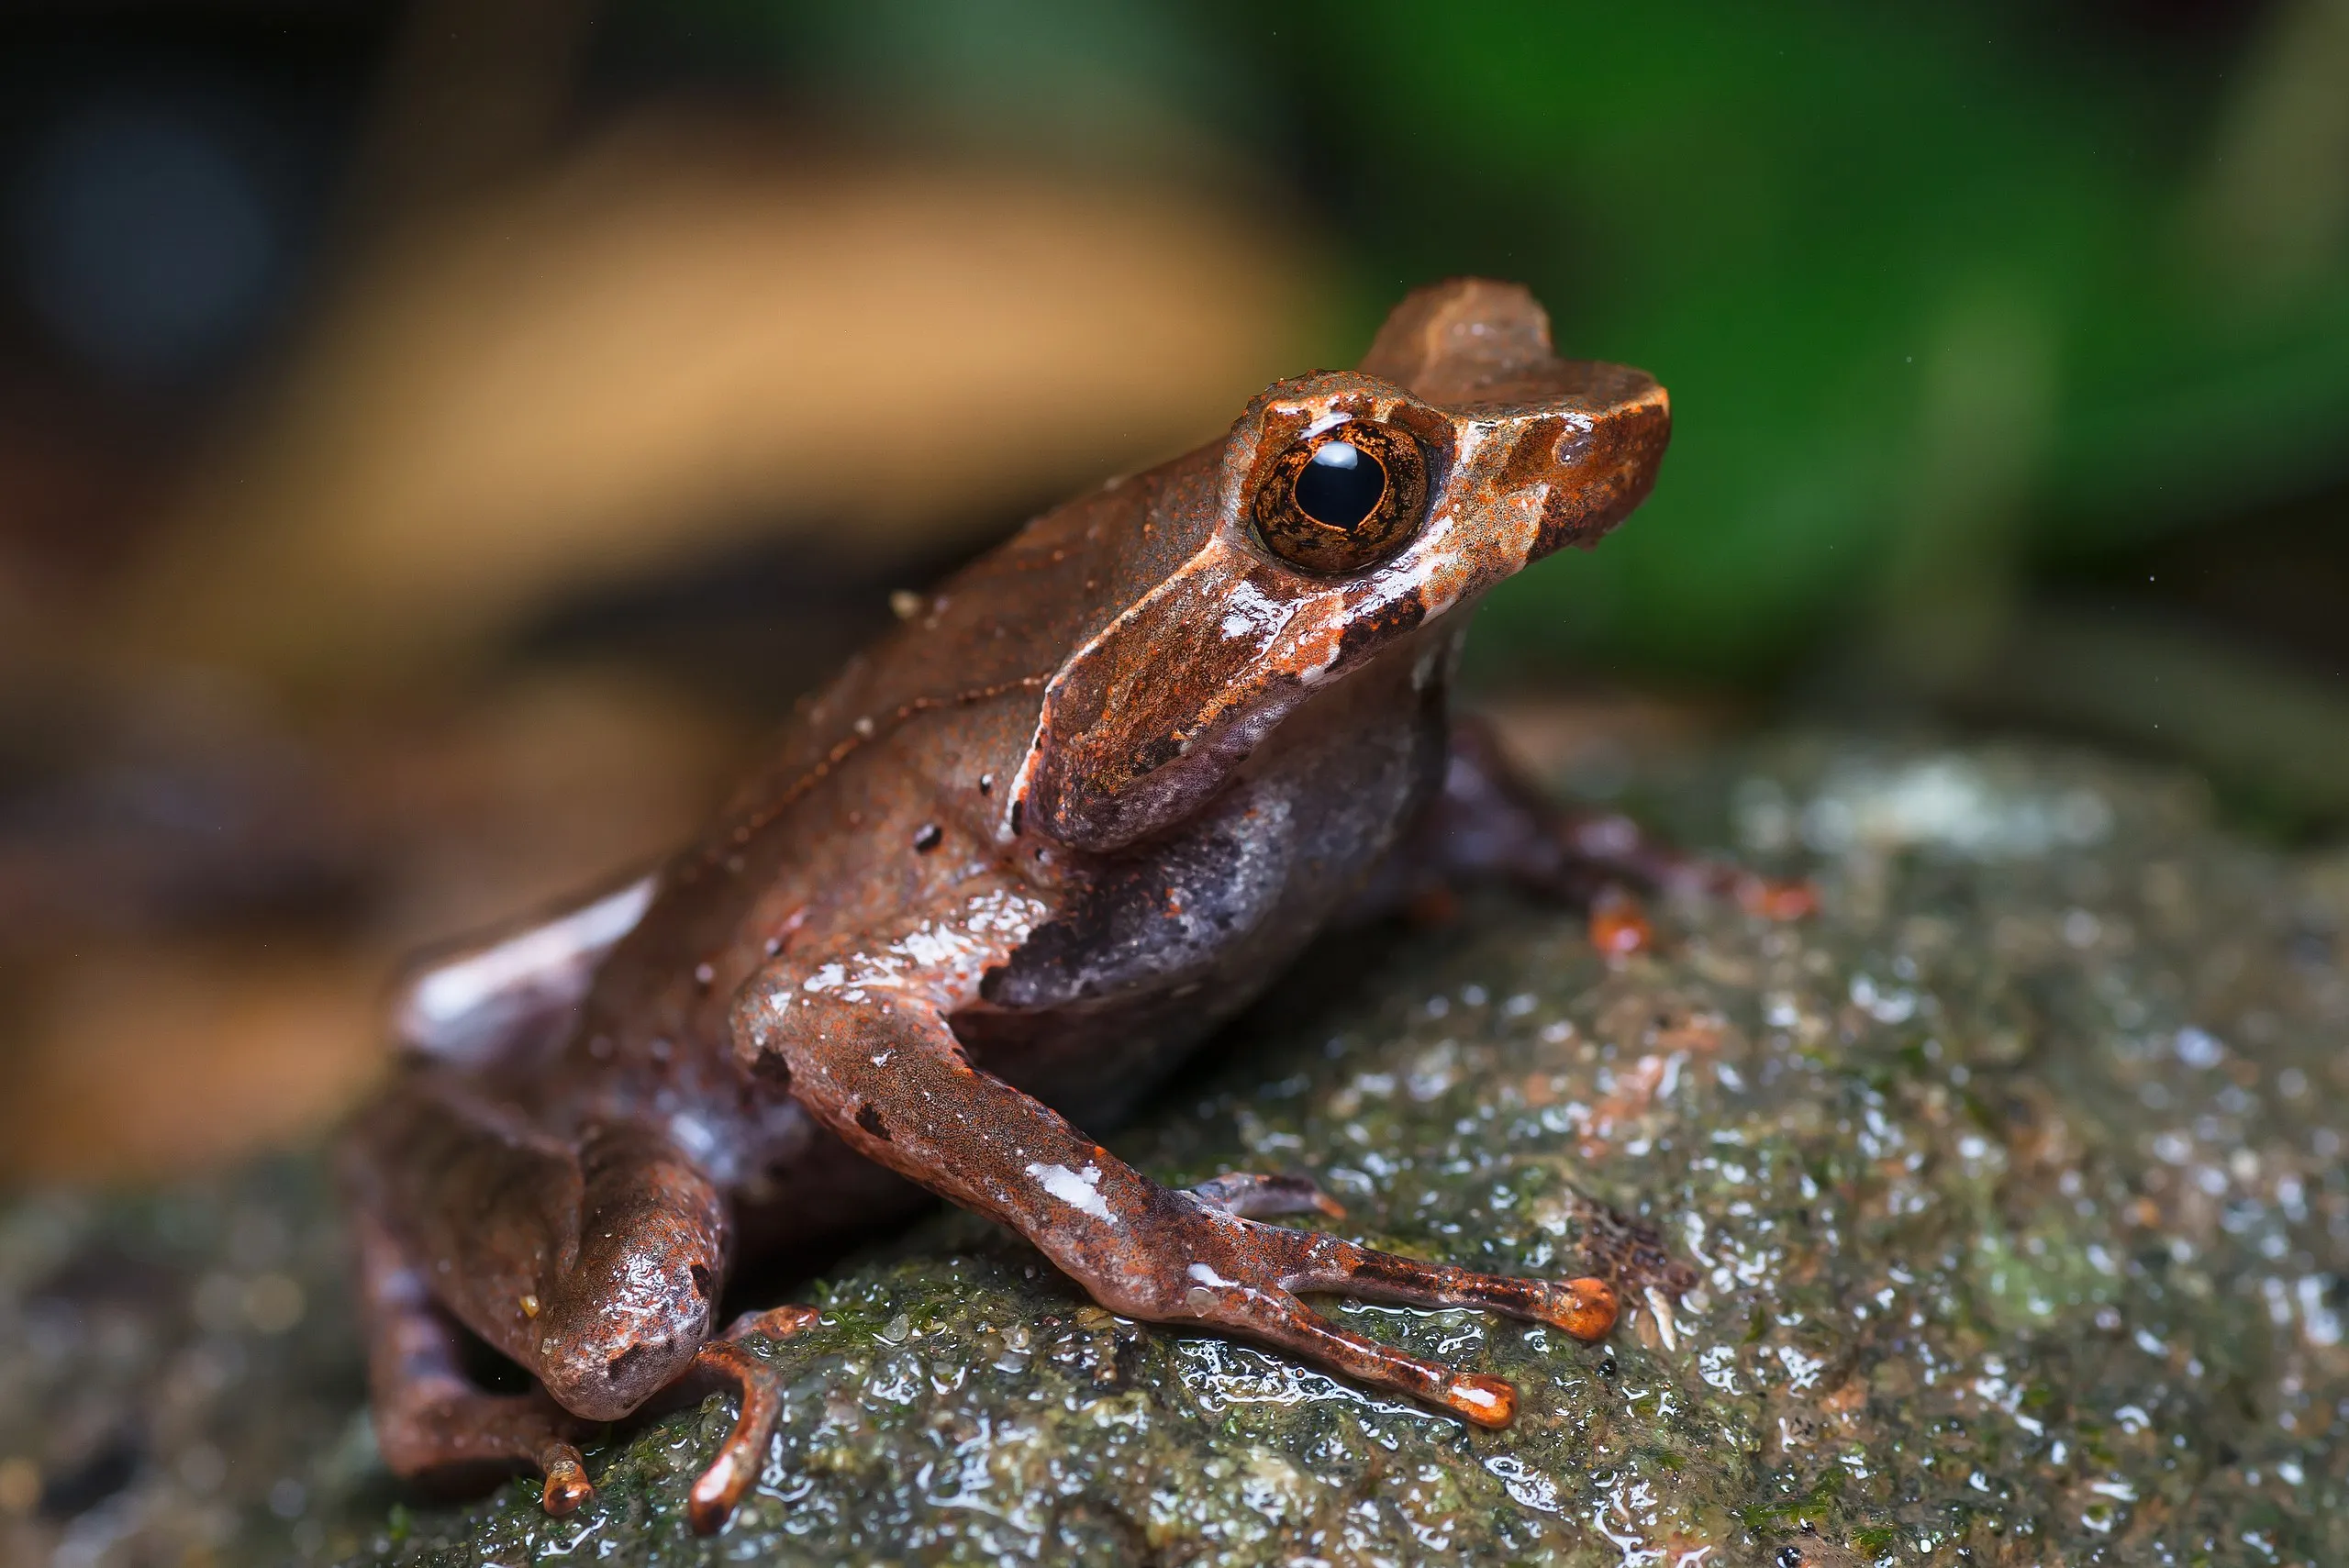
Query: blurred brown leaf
x=686, y=337
x=138, y=1046
x=151, y=1058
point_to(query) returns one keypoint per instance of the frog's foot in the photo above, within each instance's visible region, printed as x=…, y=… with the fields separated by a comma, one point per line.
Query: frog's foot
x=715, y=1495
x=430, y=1421
x=1265, y=1267
x=1489, y=820
x=1252, y=1197
x=454, y=1430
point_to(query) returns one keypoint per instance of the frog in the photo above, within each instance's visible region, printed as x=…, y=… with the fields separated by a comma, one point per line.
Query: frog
x=1089, y=798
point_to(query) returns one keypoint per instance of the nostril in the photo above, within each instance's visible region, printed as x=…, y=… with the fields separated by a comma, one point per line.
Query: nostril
x=617, y=1368
x=701, y=1282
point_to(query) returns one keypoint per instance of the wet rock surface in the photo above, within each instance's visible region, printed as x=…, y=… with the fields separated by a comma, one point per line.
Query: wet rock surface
x=1999, y=1215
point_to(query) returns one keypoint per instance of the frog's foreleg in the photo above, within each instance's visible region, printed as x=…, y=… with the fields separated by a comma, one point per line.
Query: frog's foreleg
x=430, y=1418
x=1489, y=820
x=884, y=1071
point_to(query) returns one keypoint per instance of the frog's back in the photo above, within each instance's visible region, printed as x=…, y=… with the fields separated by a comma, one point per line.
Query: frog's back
x=1003, y=624
x=950, y=694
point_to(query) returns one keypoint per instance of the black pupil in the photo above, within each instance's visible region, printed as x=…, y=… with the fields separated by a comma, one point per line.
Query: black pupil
x=1340, y=486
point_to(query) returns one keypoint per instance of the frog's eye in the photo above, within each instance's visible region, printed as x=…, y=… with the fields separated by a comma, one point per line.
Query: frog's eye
x=1342, y=499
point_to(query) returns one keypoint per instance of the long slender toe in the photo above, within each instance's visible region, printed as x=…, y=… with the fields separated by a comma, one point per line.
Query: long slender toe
x=1585, y=1308
x=718, y=1493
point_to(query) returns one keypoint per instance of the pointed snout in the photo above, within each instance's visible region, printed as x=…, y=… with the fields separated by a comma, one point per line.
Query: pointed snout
x=1597, y=456
x=1591, y=434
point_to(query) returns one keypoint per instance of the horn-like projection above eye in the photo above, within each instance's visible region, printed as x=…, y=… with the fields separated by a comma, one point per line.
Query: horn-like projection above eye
x=1343, y=499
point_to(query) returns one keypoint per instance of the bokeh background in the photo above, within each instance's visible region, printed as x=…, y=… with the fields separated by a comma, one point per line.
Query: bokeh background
x=437, y=438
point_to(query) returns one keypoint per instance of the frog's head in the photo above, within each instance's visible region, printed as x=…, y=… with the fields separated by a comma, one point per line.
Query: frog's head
x=1347, y=513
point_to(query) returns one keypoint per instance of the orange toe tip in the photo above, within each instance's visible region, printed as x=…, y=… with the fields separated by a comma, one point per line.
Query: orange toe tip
x=711, y=1502
x=1487, y=1401
x=1775, y=900
x=566, y=1490
x=1620, y=928
x=782, y=1323
x=1328, y=1206
x=1589, y=1309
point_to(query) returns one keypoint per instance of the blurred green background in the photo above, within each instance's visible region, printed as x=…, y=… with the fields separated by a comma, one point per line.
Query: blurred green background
x=1945, y=296
x=383, y=381
x=1961, y=307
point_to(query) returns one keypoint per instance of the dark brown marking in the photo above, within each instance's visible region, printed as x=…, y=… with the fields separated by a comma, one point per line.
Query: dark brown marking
x=1282, y=427
x=1367, y=632
x=1435, y=431
x=1532, y=457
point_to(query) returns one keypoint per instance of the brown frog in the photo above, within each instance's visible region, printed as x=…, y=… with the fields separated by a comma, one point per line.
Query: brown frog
x=1012, y=864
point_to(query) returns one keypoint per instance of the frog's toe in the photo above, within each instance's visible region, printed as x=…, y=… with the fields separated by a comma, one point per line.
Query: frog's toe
x=453, y=1432
x=567, y=1485
x=1246, y=1277
x=1585, y=1308
x=742, y=1455
x=430, y=1421
x=774, y=1323
x=1280, y=1319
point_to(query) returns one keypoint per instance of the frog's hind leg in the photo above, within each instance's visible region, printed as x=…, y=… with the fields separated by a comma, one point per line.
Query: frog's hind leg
x=431, y=1422
x=1489, y=820
x=595, y=1261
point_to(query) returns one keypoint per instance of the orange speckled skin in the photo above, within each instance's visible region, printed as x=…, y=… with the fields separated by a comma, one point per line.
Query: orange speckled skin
x=1077, y=809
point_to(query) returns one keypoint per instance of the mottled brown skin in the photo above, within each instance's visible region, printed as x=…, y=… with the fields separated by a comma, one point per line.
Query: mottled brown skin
x=997, y=878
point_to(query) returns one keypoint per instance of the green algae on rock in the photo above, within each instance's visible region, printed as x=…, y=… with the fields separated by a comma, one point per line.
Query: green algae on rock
x=1999, y=1215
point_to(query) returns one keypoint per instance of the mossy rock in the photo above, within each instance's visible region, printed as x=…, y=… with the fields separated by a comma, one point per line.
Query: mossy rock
x=2007, y=1194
